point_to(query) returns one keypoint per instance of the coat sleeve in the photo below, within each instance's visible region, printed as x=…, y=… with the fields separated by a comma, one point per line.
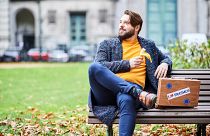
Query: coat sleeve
x=158, y=57
x=162, y=58
x=105, y=55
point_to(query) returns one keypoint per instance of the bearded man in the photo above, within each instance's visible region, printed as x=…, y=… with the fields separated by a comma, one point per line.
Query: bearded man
x=124, y=75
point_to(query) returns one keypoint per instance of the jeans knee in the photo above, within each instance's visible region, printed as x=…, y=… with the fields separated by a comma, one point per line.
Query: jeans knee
x=125, y=100
x=94, y=68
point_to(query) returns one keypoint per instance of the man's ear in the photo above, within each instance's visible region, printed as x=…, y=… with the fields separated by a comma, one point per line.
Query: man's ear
x=137, y=28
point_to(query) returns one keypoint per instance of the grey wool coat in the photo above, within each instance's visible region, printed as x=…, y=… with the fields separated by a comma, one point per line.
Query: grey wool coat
x=109, y=54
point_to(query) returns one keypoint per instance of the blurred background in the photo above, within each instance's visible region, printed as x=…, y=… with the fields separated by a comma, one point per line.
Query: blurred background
x=69, y=30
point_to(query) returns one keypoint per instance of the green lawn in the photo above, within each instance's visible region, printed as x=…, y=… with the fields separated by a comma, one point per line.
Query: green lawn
x=51, y=88
x=51, y=99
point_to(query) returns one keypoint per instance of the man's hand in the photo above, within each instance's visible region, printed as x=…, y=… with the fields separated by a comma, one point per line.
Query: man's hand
x=161, y=70
x=136, y=61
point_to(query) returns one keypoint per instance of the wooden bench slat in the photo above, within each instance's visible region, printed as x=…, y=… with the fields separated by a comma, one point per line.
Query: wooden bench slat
x=180, y=109
x=160, y=121
x=157, y=114
x=204, y=77
x=205, y=82
x=204, y=98
x=204, y=104
x=172, y=120
x=206, y=93
x=205, y=87
x=173, y=114
x=199, y=105
x=190, y=72
x=199, y=110
x=149, y=114
x=201, y=69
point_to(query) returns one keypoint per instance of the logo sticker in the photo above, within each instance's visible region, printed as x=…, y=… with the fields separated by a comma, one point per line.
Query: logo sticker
x=178, y=93
x=186, y=101
x=169, y=85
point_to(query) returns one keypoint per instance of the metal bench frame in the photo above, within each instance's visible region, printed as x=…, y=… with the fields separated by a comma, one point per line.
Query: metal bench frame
x=199, y=115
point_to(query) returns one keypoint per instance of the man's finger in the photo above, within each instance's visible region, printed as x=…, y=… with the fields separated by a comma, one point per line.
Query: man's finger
x=156, y=72
x=160, y=73
x=165, y=72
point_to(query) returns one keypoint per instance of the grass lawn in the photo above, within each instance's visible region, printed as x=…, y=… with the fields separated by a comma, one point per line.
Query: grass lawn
x=51, y=99
x=51, y=88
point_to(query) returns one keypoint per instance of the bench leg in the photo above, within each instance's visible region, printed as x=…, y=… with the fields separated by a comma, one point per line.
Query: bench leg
x=198, y=130
x=201, y=129
x=109, y=131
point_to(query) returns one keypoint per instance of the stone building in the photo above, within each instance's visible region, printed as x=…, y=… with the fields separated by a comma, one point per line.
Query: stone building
x=4, y=25
x=51, y=23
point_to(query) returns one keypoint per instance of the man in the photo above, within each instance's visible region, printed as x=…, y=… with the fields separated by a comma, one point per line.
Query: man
x=120, y=74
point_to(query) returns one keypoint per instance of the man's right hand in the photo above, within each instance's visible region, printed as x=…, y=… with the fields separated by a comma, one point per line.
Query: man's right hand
x=136, y=61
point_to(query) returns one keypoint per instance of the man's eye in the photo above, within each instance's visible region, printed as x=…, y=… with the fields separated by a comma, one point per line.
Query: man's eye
x=124, y=22
x=127, y=22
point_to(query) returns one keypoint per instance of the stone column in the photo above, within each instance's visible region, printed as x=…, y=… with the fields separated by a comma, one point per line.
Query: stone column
x=208, y=19
x=4, y=25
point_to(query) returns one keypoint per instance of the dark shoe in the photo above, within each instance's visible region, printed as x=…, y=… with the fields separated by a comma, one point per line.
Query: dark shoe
x=135, y=92
x=148, y=99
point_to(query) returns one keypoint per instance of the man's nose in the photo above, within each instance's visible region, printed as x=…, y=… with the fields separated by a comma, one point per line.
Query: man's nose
x=121, y=25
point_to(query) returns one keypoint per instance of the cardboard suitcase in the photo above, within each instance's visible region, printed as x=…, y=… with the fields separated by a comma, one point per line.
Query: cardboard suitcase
x=177, y=92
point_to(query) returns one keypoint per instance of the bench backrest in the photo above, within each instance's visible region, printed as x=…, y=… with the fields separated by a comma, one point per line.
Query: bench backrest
x=201, y=74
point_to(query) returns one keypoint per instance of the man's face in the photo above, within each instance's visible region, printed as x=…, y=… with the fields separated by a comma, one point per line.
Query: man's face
x=126, y=30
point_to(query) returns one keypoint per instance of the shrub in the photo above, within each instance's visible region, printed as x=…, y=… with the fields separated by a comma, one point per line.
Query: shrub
x=194, y=56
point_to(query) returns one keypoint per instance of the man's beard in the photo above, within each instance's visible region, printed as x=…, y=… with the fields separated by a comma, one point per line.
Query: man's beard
x=127, y=35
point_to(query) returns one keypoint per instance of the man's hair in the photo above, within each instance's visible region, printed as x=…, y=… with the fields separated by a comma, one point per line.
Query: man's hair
x=135, y=19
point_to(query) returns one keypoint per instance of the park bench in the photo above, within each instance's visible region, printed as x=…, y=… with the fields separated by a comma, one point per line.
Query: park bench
x=199, y=115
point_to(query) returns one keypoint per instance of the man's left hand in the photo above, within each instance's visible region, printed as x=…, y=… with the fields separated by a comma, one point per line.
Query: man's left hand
x=161, y=70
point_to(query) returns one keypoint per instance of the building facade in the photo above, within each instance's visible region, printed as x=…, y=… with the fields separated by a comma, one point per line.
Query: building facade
x=49, y=23
x=4, y=25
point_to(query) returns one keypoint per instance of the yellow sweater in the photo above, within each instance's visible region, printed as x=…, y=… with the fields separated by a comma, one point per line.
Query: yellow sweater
x=136, y=75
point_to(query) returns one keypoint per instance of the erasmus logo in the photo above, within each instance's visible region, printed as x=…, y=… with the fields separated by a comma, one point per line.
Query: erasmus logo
x=178, y=93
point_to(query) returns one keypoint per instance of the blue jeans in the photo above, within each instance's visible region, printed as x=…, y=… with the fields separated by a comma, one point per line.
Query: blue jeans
x=109, y=89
